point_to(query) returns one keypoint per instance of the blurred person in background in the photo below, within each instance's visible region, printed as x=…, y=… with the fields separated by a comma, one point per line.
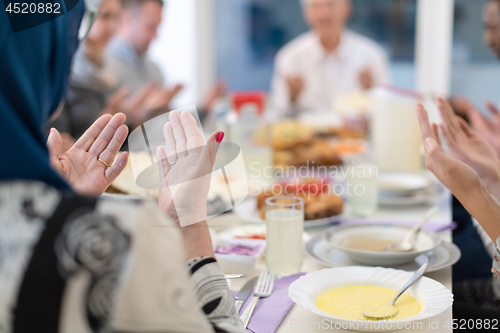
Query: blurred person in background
x=326, y=62
x=90, y=84
x=488, y=128
x=93, y=88
x=127, y=58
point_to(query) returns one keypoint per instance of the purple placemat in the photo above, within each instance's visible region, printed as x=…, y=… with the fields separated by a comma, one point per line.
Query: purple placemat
x=270, y=311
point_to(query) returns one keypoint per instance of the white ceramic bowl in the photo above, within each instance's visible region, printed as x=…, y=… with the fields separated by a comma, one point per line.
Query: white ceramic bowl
x=337, y=236
x=432, y=295
x=236, y=263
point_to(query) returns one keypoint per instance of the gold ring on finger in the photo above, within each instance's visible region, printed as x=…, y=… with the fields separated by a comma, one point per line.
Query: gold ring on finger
x=103, y=162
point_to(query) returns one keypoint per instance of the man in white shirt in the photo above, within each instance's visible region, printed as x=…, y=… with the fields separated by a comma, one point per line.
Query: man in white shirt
x=315, y=68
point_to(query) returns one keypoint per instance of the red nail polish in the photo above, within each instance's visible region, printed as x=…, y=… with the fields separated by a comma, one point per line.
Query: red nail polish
x=219, y=137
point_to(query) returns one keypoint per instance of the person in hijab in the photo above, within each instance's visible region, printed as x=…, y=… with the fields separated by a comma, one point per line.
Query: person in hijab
x=73, y=262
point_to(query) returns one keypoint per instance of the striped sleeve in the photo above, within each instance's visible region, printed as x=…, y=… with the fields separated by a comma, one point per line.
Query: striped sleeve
x=214, y=296
x=496, y=260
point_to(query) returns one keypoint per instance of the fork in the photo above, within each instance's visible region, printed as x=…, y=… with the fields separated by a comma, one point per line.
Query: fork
x=264, y=288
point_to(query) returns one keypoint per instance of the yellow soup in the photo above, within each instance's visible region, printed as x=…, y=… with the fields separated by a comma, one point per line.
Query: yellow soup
x=350, y=302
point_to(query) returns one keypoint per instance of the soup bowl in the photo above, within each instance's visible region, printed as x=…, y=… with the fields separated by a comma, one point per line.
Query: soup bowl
x=433, y=297
x=355, y=241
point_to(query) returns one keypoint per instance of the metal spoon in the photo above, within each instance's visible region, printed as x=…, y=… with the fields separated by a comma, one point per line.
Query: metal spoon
x=407, y=244
x=233, y=276
x=387, y=311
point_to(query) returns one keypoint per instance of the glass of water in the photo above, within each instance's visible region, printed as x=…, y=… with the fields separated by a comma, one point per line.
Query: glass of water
x=362, y=187
x=285, y=225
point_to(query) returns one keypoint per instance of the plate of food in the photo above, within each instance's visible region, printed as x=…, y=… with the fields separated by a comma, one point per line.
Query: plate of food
x=349, y=147
x=295, y=145
x=342, y=294
x=320, y=206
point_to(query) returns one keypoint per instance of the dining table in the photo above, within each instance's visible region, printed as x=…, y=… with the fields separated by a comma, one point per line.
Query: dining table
x=301, y=320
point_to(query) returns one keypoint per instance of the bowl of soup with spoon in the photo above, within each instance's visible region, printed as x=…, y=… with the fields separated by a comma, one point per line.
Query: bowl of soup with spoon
x=342, y=294
x=365, y=243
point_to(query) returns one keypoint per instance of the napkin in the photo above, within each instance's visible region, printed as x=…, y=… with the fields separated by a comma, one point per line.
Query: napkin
x=270, y=311
x=432, y=226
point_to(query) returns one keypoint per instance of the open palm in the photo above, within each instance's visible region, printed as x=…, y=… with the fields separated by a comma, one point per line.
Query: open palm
x=80, y=165
x=185, y=172
x=488, y=129
x=457, y=176
x=466, y=145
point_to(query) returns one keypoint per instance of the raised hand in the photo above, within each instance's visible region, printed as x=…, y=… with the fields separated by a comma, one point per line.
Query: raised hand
x=467, y=146
x=488, y=129
x=132, y=106
x=216, y=93
x=295, y=86
x=159, y=100
x=366, y=78
x=185, y=169
x=457, y=176
x=88, y=166
x=115, y=102
x=460, y=105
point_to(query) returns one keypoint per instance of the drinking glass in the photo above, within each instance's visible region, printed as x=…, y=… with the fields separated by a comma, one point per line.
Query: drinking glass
x=362, y=187
x=285, y=225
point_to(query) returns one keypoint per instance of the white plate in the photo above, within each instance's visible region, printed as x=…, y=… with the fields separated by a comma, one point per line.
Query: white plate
x=243, y=232
x=445, y=255
x=432, y=195
x=247, y=212
x=247, y=230
x=396, y=184
x=434, y=297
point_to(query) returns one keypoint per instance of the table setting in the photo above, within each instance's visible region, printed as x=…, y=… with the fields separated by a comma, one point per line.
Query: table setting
x=294, y=239
x=319, y=257
x=287, y=311
x=347, y=248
